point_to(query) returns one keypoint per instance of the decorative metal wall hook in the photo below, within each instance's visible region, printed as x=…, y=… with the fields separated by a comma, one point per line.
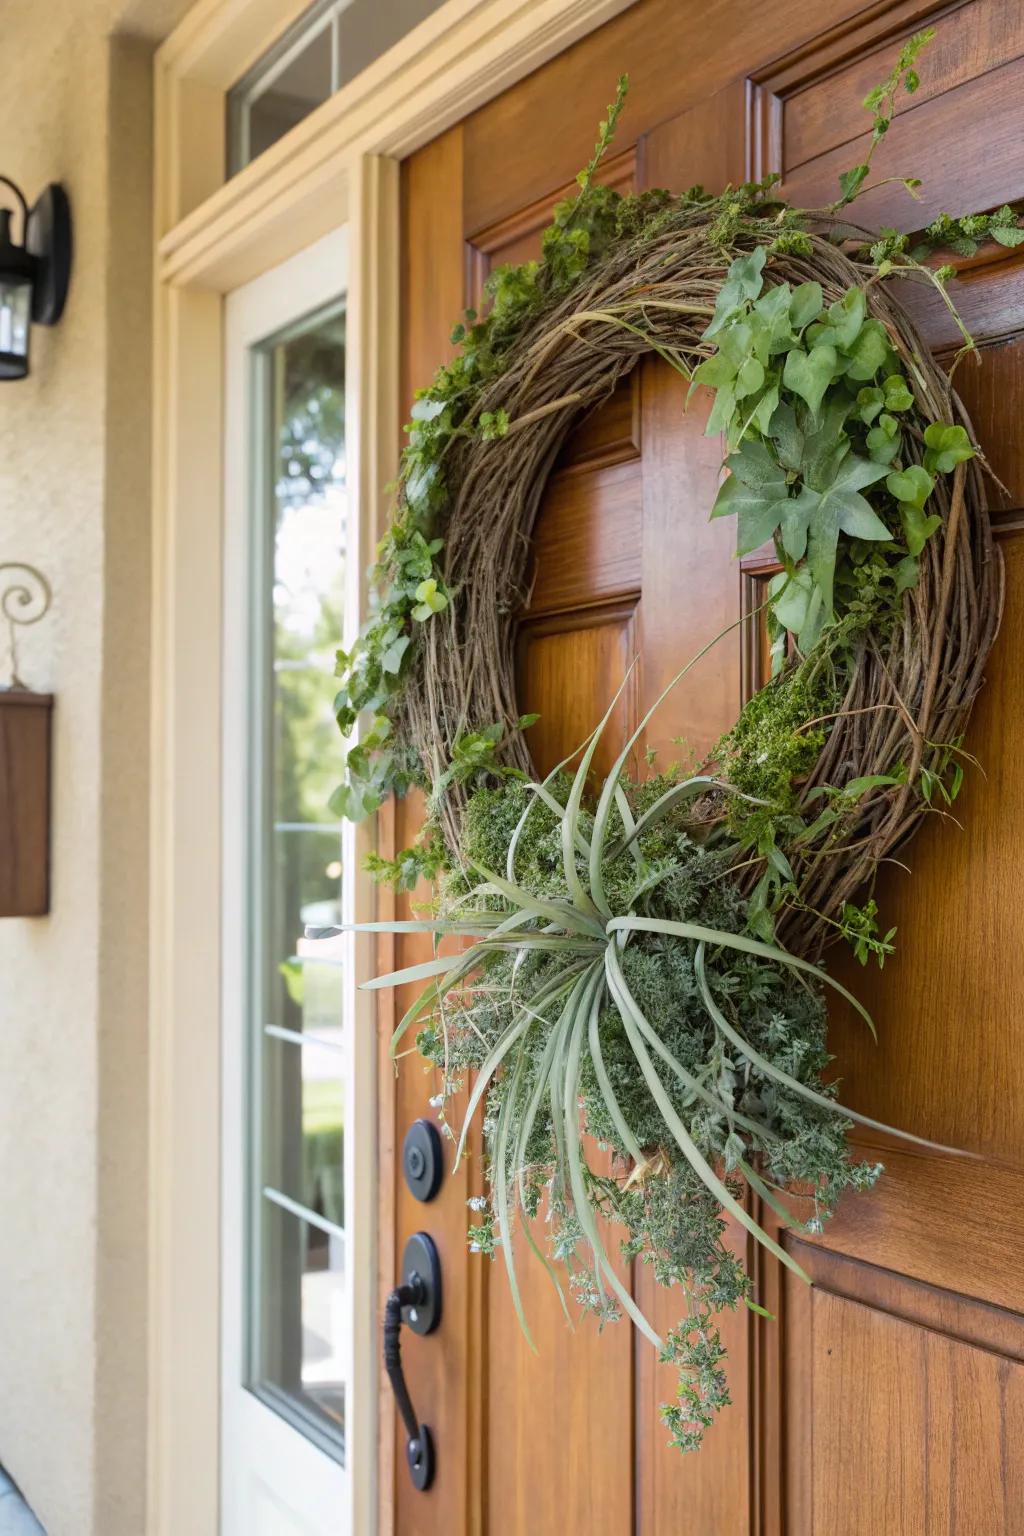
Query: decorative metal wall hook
x=25, y=596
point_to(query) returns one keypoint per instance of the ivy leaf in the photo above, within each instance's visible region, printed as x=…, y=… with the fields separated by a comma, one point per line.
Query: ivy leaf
x=907, y=574
x=840, y=508
x=787, y=436
x=870, y=350
x=826, y=445
x=851, y=181
x=805, y=305
x=425, y=408
x=846, y=317
x=766, y=406
x=714, y=372
x=756, y=491
x=749, y=378
x=945, y=447
x=391, y=660
x=796, y=604
x=743, y=281
x=883, y=445
x=430, y=600
x=897, y=393
x=418, y=485
x=774, y=309
x=808, y=374
x=869, y=404
x=912, y=486
x=917, y=527
x=1007, y=234
x=721, y=411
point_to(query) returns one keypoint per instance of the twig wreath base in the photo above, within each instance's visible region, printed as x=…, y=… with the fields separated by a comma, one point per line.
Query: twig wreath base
x=644, y=958
x=910, y=692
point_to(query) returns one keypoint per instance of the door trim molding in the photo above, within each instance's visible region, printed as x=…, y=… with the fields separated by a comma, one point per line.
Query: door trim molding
x=340, y=165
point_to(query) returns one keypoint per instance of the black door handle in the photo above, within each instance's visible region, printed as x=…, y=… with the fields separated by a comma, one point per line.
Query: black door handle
x=416, y=1302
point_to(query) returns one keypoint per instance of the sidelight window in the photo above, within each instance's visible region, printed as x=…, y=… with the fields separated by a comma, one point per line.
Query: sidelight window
x=296, y=1245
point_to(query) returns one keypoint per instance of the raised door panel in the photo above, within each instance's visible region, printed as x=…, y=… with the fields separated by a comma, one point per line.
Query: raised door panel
x=958, y=132
x=987, y=388
x=910, y=1404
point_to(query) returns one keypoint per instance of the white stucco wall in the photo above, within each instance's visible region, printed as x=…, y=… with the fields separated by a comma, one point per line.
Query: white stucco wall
x=74, y=500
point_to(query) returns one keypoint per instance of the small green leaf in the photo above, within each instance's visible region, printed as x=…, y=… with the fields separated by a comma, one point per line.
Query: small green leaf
x=805, y=305
x=897, y=394
x=912, y=485
x=808, y=374
x=846, y=317
x=945, y=447
x=714, y=372
x=883, y=441
x=749, y=379
x=1007, y=235
x=743, y=281
x=431, y=600
x=908, y=574
x=869, y=404
x=391, y=660
x=773, y=310
x=851, y=181
x=788, y=438
x=869, y=351
x=917, y=527
x=756, y=491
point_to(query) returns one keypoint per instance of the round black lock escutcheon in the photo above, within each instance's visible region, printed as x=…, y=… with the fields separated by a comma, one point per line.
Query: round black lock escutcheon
x=423, y=1159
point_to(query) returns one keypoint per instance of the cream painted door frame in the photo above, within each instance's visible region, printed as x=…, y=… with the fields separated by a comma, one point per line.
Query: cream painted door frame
x=340, y=166
x=272, y=1473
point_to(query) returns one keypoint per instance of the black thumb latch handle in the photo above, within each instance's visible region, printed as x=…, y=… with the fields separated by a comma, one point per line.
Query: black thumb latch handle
x=417, y=1301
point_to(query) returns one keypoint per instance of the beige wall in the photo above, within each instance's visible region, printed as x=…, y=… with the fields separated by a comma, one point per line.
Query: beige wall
x=74, y=500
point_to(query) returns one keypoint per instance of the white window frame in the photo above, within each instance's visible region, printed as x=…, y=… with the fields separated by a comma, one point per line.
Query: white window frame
x=263, y=1454
x=212, y=235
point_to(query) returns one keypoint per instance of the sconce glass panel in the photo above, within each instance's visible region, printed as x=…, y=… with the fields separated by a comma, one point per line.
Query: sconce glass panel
x=15, y=321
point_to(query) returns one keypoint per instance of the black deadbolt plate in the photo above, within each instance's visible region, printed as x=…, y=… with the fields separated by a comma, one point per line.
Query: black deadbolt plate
x=421, y=1268
x=423, y=1159
x=419, y=1453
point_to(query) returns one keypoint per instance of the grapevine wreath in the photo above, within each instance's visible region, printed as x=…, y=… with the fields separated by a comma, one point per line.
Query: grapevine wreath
x=641, y=959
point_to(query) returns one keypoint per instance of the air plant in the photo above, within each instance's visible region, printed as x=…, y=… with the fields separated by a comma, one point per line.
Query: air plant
x=540, y=996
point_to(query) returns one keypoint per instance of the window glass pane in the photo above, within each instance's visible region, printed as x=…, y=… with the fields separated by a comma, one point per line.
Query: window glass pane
x=303, y=1155
x=296, y=1153
x=366, y=29
x=284, y=98
x=302, y=1335
x=326, y=48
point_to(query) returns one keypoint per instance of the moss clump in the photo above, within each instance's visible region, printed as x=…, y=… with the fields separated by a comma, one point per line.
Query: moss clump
x=770, y=751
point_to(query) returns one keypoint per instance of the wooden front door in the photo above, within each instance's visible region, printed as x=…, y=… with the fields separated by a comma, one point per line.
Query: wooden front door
x=889, y=1398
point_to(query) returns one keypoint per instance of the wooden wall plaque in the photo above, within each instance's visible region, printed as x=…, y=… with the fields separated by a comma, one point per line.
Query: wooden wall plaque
x=24, y=802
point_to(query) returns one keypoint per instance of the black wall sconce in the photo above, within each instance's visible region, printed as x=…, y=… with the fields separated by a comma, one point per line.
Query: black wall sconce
x=25, y=719
x=34, y=275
